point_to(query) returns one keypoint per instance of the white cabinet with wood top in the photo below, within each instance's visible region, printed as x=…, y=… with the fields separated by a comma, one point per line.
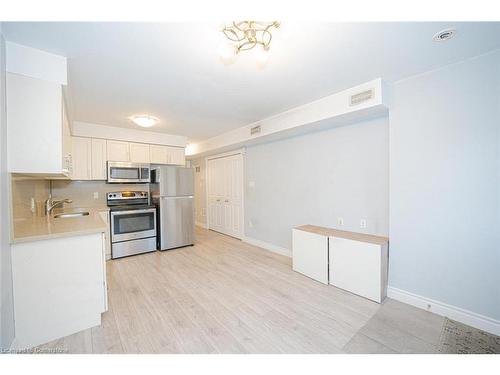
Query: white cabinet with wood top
x=99, y=158
x=310, y=255
x=139, y=153
x=81, y=158
x=356, y=262
x=117, y=150
x=359, y=267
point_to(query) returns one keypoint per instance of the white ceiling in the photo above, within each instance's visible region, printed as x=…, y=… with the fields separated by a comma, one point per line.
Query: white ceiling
x=172, y=71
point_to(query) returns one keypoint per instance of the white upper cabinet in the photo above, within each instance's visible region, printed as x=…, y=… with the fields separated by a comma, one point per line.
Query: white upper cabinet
x=35, y=126
x=139, y=152
x=82, y=158
x=67, y=144
x=167, y=155
x=176, y=156
x=98, y=169
x=158, y=154
x=117, y=151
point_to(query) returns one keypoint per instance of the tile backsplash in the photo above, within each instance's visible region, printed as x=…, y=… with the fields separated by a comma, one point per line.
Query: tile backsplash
x=82, y=192
x=23, y=190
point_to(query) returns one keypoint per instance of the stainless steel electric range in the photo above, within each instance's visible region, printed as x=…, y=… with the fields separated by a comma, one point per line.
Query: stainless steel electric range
x=133, y=223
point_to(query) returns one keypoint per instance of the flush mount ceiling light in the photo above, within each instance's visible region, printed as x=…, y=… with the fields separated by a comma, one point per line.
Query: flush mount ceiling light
x=444, y=35
x=246, y=35
x=144, y=121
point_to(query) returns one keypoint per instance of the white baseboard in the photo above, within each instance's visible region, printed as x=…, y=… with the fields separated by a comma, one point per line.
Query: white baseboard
x=453, y=312
x=268, y=246
x=200, y=224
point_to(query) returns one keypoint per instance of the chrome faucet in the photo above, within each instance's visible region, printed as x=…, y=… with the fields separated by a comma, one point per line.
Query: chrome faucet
x=51, y=204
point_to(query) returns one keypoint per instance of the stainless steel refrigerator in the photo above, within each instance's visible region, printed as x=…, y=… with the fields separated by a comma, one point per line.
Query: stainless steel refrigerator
x=172, y=190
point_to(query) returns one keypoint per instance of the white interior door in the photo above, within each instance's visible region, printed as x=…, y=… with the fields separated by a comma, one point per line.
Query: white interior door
x=225, y=195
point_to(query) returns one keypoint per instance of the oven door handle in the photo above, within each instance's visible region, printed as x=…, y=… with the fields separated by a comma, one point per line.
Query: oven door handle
x=117, y=213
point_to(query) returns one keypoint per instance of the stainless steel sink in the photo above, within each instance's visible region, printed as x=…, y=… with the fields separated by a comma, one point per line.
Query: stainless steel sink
x=71, y=214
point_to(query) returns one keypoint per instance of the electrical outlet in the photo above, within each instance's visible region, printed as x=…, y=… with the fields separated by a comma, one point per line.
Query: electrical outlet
x=251, y=184
x=96, y=195
x=250, y=223
x=340, y=221
x=362, y=223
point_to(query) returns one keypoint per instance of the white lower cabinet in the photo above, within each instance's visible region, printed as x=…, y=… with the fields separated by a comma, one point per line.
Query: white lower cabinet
x=359, y=267
x=59, y=287
x=355, y=262
x=310, y=255
x=107, y=235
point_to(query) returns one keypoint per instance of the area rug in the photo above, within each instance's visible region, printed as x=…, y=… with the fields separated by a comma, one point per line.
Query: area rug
x=458, y=338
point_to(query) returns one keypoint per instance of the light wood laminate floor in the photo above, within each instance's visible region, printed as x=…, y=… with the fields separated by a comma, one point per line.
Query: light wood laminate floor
x=225, y=296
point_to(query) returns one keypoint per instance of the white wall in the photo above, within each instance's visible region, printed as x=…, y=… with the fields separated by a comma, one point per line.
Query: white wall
x=316, y=178
x=200, y=191
x=6, y=307
x=444, y=186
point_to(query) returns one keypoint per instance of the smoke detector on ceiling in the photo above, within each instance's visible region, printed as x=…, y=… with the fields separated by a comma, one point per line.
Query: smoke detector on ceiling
x=444, y=35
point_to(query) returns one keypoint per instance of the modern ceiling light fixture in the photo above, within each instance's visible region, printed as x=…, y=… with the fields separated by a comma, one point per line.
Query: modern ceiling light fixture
x=144, y=121
x=246, y=35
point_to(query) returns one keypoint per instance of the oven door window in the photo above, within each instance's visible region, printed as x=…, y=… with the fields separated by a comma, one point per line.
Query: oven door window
x=130, y=223
x=124, y=173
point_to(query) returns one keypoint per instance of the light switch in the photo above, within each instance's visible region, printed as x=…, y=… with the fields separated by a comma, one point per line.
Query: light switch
x=362, y=223
x=96, y=195
x=340, y=221
x=251, y=184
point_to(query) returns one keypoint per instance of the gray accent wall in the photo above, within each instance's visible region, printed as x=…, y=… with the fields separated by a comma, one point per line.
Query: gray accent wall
x=445, y=184
x=317, y=178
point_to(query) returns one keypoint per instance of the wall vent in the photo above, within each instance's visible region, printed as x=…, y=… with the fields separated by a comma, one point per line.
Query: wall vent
x=255, y=130
x=361, y=97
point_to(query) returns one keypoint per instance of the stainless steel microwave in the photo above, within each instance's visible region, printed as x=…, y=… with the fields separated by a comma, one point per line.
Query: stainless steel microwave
x=128, y=173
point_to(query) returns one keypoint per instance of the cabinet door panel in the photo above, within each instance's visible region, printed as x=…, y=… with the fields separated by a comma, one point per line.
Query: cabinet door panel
x=158, y=154
x=34, y=121
x=139, y=153
x=98, y=169
x=81, y=158
x=177, y=156
x=356, y=266
x=310, y=255
x=117, y=151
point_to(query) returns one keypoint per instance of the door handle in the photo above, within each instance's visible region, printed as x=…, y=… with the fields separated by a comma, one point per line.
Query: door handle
x=218, y=200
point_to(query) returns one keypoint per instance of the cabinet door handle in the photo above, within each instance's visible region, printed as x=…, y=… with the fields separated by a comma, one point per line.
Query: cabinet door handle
x=218, y=200
x=226, y=200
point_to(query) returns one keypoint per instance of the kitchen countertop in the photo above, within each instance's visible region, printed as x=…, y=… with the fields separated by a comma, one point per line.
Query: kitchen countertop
x=330, y=232
x=43, y=228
